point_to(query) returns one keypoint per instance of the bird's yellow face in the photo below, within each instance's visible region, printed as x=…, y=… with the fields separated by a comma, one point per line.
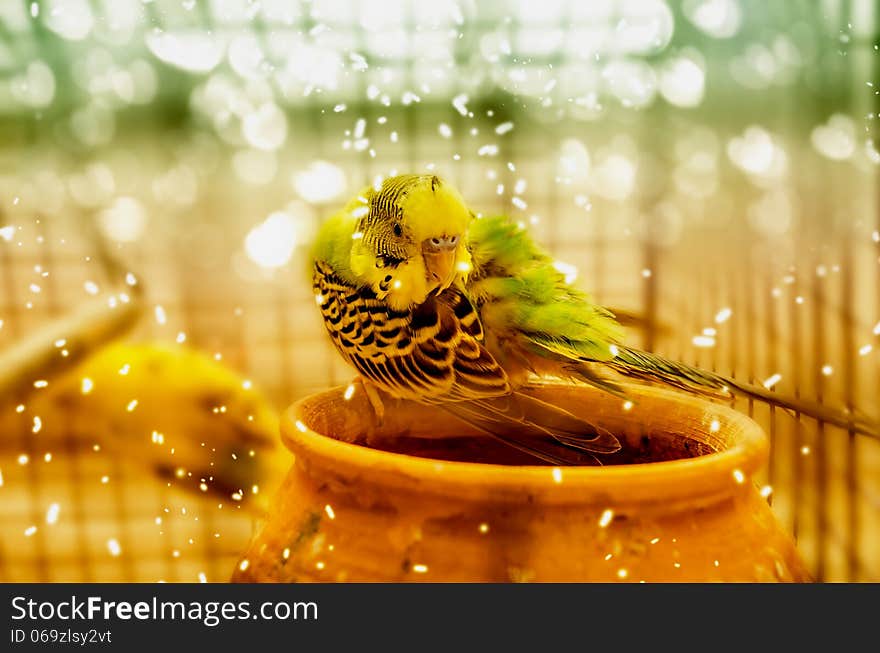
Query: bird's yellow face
x=410, y=238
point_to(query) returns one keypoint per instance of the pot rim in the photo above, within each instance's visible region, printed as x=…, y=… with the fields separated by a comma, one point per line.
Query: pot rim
x=704, y=478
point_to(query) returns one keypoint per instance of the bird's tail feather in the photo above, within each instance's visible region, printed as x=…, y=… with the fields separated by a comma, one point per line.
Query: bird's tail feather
x=537, y=427
x=651, y=367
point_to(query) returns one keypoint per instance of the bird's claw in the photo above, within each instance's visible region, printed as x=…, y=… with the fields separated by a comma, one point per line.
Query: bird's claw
x=375, y=400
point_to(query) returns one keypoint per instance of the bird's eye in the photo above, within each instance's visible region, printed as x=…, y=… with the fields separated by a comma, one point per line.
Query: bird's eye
x=453, y=240
x=398, y=230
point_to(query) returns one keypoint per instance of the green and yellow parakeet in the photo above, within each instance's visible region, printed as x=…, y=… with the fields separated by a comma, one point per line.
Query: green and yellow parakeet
x=432, y=304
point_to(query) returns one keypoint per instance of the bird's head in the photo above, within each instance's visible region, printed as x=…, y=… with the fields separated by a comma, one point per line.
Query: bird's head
x=410, y=238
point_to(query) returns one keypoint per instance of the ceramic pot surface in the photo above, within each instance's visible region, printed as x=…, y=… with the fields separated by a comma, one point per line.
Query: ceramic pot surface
x=414, y=498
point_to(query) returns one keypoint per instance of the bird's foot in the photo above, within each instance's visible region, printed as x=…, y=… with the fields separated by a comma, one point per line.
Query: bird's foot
x=374, y=399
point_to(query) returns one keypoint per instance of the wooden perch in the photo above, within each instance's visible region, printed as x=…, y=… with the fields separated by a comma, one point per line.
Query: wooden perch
x=87, y=328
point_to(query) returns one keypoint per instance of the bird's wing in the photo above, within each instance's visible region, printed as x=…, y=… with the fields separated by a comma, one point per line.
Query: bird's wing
x=430, y=353
x=519, y=413
x=434, y=354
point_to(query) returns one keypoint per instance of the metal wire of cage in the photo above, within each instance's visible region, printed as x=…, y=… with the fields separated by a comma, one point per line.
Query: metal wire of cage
x=726, y=264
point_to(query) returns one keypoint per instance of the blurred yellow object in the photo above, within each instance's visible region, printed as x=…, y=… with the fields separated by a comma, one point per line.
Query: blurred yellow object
x=189, y=417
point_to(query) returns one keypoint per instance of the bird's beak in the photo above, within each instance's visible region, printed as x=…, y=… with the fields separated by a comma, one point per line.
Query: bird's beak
x=439, y=255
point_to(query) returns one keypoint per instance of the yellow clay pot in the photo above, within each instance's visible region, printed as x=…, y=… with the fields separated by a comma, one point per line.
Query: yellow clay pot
x=681, y=506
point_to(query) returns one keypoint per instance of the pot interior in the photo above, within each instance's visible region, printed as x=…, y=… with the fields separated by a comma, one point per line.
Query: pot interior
x=650, y=448
x=655, y=428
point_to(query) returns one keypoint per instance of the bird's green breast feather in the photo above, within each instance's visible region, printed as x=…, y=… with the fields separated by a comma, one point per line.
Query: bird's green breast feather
x=514, y=278
x=332, y=245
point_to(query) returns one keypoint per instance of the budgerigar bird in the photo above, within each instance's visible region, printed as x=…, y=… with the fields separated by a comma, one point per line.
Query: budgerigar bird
x=432, y=304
